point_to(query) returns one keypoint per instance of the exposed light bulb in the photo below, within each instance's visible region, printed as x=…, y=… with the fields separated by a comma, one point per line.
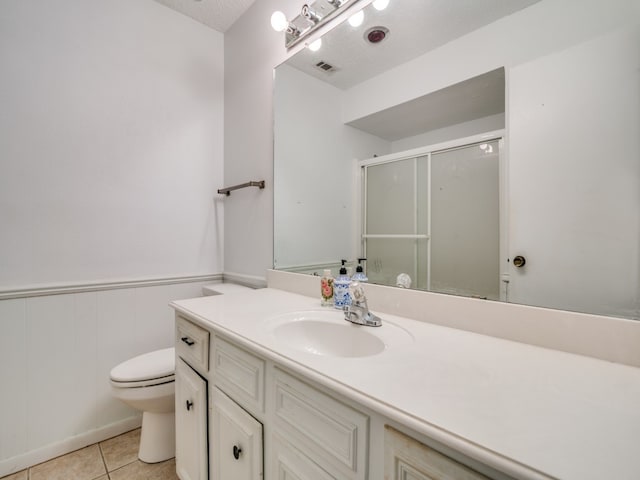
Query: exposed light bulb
x=380, y=4
x=315, y=45
x=279, y=21
x=356, y=19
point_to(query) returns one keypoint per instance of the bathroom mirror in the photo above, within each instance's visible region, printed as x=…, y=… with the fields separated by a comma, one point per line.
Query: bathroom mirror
x=550, y=90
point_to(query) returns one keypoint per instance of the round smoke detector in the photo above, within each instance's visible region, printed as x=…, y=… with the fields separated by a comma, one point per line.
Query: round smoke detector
x=376, y=34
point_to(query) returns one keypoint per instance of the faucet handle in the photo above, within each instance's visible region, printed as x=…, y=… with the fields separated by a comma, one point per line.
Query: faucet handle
x=357, y=292
x=358, y=312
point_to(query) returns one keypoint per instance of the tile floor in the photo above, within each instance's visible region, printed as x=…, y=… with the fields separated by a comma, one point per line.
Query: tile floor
x=112, y=459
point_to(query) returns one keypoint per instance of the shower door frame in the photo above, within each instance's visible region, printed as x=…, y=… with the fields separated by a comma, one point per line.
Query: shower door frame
x=427, y=151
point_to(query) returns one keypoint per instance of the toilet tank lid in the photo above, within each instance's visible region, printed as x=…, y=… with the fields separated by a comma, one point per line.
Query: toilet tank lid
x=157, y=364
x=224, y=289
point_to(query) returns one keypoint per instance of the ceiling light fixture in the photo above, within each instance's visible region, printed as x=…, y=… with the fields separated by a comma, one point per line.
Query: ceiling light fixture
x=310, y=14
x=312, y=17
x=315, y=45
x=380, y=4
x=356, y=19
x=279, y=21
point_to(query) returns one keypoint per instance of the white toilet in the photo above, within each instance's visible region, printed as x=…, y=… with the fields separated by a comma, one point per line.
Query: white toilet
x=146, y=382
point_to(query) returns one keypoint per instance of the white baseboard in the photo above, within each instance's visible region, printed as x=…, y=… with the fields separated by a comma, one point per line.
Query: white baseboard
x=42, y=454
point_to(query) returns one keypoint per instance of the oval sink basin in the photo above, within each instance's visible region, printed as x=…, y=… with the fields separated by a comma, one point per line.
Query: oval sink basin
x=327, y=333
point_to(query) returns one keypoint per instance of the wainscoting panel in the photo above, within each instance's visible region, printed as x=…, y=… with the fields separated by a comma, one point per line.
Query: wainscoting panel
x=56, y=352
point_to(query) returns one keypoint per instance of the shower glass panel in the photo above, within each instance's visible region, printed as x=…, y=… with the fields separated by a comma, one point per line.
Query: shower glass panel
x=420, y=213
x=396, y=221
x=465, y=205
x=388, y=257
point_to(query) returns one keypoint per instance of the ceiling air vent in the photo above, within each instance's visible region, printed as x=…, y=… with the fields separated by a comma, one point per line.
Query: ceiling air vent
x=325, y=67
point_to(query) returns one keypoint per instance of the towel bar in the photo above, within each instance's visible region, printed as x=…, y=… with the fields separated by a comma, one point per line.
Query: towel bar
x=227, y=191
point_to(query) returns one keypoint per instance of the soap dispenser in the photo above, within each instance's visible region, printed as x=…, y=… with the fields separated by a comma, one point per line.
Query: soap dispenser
x=342, y=297
x=360, y=275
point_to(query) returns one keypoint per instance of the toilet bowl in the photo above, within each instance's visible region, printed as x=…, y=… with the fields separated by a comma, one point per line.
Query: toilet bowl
x=146, y=383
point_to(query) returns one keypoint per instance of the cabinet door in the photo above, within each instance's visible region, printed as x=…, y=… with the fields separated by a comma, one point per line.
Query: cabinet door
x=236, y=441
x=191, y=423
x=408, y=459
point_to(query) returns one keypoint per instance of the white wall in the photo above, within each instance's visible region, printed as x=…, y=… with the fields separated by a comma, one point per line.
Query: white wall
x=314, y=218
x=111, y=142
x=251, y=50
x=111, y=149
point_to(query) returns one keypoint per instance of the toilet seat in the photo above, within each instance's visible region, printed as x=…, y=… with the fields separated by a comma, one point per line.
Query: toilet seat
x=149, y=369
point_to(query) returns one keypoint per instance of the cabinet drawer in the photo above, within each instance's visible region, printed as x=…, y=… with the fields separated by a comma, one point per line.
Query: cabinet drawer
x=192, y=344
x=405, y=457
x=239, y=373
x=329, y=432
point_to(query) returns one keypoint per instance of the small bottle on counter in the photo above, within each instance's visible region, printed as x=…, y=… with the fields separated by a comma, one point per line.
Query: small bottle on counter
x=360, y=275
x=326, y=289
x=342, y=297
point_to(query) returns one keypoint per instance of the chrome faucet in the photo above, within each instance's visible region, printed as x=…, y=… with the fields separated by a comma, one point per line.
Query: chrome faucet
x=358, y=312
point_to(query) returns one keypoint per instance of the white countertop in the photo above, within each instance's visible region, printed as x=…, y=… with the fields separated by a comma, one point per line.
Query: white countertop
x=529, y=411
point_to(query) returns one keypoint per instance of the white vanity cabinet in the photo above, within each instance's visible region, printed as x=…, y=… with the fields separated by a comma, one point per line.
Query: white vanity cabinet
x=468, y=406
x=311, y=435
x=192, y=366
x=266, y=421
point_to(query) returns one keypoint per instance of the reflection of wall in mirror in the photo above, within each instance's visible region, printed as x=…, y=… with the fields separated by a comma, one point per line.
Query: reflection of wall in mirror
x=313, y=195
x=574, y=186
x=549, y=54
x=575, y=177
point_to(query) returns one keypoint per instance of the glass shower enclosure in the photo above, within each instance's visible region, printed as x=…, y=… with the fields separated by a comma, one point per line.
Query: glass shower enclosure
x=435, y=216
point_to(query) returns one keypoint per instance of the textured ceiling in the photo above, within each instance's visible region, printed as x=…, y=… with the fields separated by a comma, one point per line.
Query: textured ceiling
x=217, y=14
